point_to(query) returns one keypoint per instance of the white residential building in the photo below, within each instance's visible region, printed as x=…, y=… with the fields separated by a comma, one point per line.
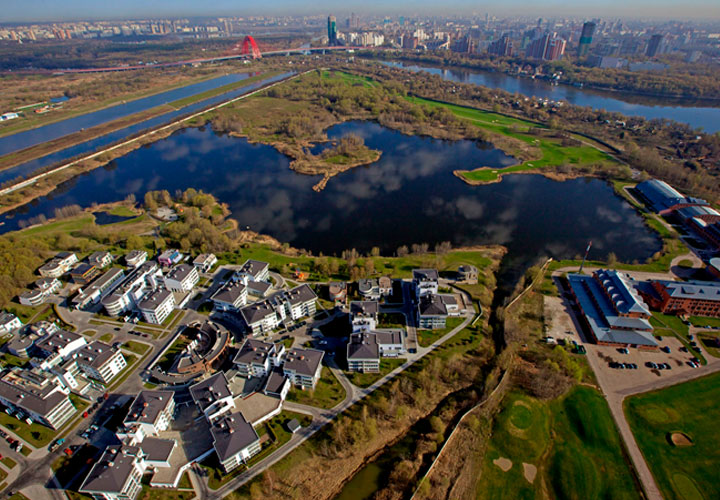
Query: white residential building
x=363, y=315
x=117, y=475
x=60, y=344
x=150, y=414
x=281, y=308
x=213, y=396
x=135, y=258
x=205, y=262
x=303, y=367
x=100, y=361
x=425, y=282
x=182, y=278
x=254, y=270
x=157, y=305
x=9, y=322
x=257, y=358
x=231, y=296
x=98, y=288
x=37, y=396
x=59, y=265
x=100, y=259
x=132, y=289
x=235, y=441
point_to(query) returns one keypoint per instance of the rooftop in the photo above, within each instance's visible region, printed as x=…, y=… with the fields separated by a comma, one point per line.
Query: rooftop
x=425, y=275
x=95, y=354
x=254, y=351
x=622, y=294
x=179, y=272
x=602, y=319
x=253, y=268
x=157, y=450
x=697, y=290
x=303, y=361
x=365, y=307
x=229, y=293
x=148, y=406
x=57, y=341
x=432, y=305
x=154, y=299
x=231, y=434
x=210, y=390
x=113, y=470
x=363, y=346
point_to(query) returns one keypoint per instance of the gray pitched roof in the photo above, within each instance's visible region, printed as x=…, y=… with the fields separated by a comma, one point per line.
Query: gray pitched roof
x=158, y=450
x=275, y=382
x=425, y=275
x=363, y=346
x=300, y=294
x=303, y=361
x=364, y=307
x=697, y=290
x=179, y=272
x=37, y=396
x=257, y=311
x=231, y=434
x=56, y=341
x=254, y=351
x=153, y=299
x=228, y=293
x=208, y=391
x=253, y=268
x=432, y=306
x=95, y=354
x=148, y=405
x=112, y=471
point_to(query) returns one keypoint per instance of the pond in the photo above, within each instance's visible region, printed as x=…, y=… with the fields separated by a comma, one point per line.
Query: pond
x=408, y=196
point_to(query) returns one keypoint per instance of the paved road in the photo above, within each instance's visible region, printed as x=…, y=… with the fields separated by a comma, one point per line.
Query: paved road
x=615, y=399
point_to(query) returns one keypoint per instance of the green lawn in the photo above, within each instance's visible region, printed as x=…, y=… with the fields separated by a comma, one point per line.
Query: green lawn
x=9, y=462
x=572, y=441
x=681, y=473
x=367, y=379
x=553, y=152
x=106, y=337
x=427, y=337
x=36, y=434
x=327, y=393
x=704, y=322
x=136, y=347
x=148, y=493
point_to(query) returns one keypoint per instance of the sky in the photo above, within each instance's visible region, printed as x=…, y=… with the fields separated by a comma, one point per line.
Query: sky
x=51, y=10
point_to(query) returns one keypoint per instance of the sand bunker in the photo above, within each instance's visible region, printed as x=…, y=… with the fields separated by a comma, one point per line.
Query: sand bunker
x=529, y=471
x=505, y=464
x=680, y=439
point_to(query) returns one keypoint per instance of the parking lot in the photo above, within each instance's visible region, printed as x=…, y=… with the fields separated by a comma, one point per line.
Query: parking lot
x=565, y=326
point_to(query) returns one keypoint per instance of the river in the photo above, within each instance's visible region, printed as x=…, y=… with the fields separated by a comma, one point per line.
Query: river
x=680, y=110
x=51, y=131
x=28, y=168
x=408, y=196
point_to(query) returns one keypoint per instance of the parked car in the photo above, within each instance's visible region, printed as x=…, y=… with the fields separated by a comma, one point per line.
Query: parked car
x=623, y=350
x=684, y=349
x=665, y=349
x=650, y=364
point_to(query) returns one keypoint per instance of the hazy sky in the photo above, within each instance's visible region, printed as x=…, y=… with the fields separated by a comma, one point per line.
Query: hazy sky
x=45, y=10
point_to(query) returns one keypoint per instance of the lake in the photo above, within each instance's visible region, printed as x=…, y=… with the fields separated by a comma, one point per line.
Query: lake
x=408, y=196
x=680, y=110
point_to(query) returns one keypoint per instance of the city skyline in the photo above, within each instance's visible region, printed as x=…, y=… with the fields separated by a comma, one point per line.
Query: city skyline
x=16, y=11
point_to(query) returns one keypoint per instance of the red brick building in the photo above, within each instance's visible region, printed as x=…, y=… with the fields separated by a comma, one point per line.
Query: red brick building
x=692, y=298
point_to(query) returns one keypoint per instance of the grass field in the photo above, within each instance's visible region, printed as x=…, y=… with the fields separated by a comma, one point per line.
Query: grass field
x=427, y=337
x=683, y=473
x=327, y=393
x=552, y=152
x=367, y=379
x=572, y=441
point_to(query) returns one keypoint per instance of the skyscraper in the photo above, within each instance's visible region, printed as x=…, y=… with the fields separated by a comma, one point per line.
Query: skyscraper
x=332, y=31
x=588, y=30
x=654, y=45
x=501, y=47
